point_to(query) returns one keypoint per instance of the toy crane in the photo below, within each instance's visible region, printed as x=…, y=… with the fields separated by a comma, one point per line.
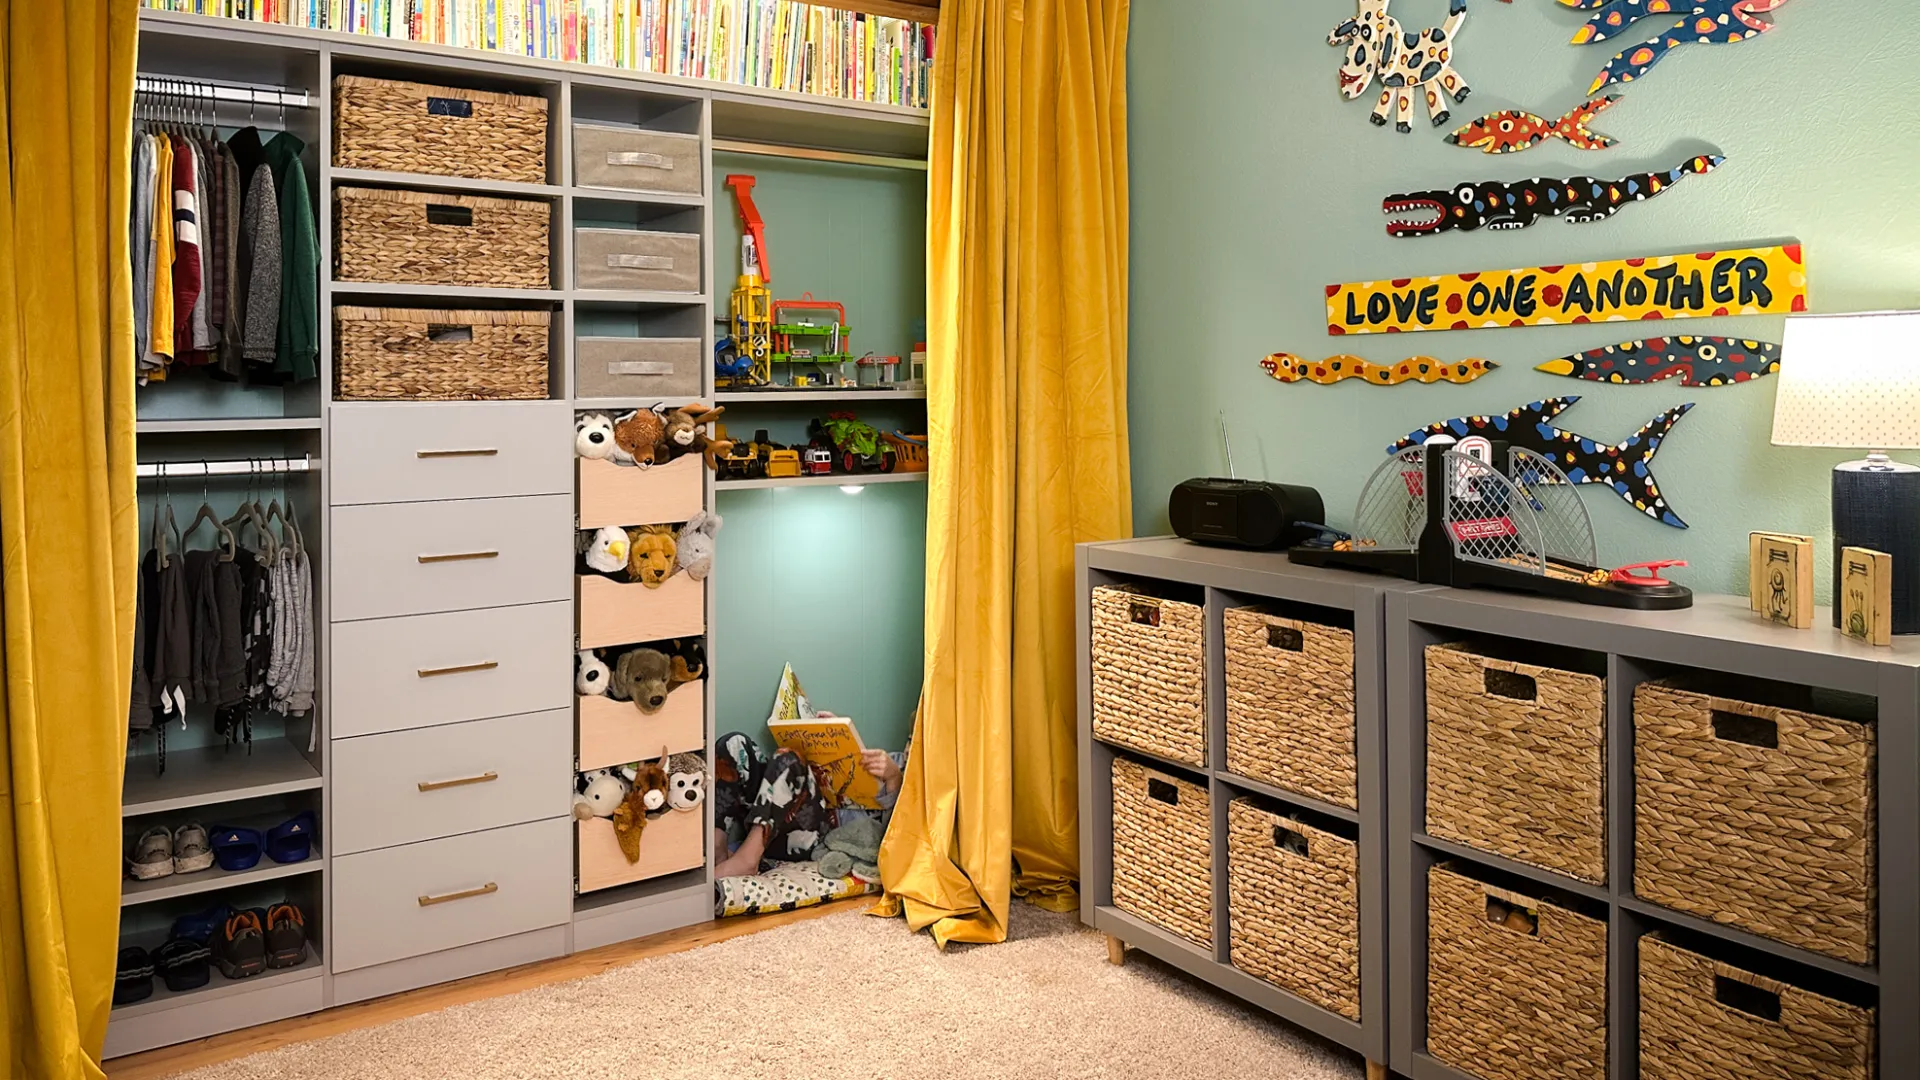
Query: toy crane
x=750, y=310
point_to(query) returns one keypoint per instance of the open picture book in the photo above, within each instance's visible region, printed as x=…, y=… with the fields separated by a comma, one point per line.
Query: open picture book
x=830, y=744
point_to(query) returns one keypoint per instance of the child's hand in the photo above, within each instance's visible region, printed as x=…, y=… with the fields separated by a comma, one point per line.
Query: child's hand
x=880, y=764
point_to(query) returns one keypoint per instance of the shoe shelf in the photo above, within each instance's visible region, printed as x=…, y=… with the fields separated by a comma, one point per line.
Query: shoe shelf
x=219, y=986
x=213, y=879
x=215, y=774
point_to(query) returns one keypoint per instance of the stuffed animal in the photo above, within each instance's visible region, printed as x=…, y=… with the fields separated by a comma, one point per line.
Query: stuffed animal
x=650, y=779
x=689, y=659
x=590, y=675
x=686, y=782
x=593, y=436
x=651, y=552
x=648, y=796
x=641, y=676
x=687, y=434
x=601, y=793
x=696, y=543
x=640, y=438
x=606, y=549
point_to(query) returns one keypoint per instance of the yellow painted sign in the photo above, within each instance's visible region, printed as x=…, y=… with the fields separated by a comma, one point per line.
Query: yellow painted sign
x=1750, y=281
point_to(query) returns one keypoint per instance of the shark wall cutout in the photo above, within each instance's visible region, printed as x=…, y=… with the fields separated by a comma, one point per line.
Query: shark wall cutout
x=1746, y=281
x=1407, y=64
x=1289, y=368
x=1494, y=205
x=1626, y=467
x=1695, y=22
x=1517, y=130
x=1694, y=361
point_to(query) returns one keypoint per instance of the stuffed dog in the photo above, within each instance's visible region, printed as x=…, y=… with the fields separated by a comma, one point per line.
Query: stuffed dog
x=642, y=677
x=640, y=438
x=593, y=436
x=651, y=554
x=689, y=659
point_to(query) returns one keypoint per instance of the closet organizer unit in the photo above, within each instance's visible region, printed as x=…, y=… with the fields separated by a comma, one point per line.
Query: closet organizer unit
x=470, y=300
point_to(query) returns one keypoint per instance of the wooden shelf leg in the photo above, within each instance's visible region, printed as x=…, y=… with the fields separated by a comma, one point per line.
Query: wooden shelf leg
x=1117, y=954
x=1377, y=1071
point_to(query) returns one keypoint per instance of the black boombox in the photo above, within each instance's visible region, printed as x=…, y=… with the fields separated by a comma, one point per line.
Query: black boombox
x=1244, y=513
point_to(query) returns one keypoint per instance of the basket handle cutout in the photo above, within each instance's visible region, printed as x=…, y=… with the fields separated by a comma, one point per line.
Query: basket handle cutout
x=1291, y=842
x=1287, y=638
x=1512, y=917
x=1163, y=791
x=1751, y=730
x=444, y=106
x=1751, y=1000
x=1143, y=613
x=444, y=333
x=443, y=214
x=1511, y=684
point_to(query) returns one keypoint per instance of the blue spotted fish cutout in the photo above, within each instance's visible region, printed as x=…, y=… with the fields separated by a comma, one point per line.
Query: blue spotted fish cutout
x=1694, y=361
x=1627, y=468
x=1495, y=205
x=1683, y=22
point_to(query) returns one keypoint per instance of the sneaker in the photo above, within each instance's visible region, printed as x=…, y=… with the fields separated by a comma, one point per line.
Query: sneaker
x=201, y=926
x=183, y=963
x=192, y=852
x=286, y=936
x=132, y=976
x=240, y=947
x=152, y=854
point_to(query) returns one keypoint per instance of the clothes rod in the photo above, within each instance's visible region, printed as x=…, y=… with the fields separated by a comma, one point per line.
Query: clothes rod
x=807, y=153
x=249, y=467
x=186, y=90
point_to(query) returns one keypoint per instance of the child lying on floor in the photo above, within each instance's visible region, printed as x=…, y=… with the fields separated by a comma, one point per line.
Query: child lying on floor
x=771, y=810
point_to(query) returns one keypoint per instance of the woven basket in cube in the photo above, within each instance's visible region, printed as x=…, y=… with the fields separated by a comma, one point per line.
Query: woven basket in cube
x=1774, y=839
x=421, y=238
x=1516, y=760
x=412, y=354
x=1163, y=850
x=1290, y=704
x=1293, y=906
x=1704, y=1020
x=1149, y=683
x=438, y=130
x=1516, y=987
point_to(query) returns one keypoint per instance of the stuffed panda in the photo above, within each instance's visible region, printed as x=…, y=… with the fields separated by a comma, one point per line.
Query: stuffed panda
x=591, y=676
x=606, y=550
x=593, y=436
x=686, y=782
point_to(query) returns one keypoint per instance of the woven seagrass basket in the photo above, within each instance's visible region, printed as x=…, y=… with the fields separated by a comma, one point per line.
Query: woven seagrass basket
x=412, y=354
x=421, y=238
x=1149, y=683
x=1757, y=817
x=1516, y=986
x=1516, y=760
x=1704, y=1020
x=1293, y=906
x=1163, y=850
x=438, y=130
x=1290, y=704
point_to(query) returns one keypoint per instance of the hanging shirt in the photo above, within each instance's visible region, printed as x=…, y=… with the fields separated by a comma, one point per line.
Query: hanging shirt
x=297, y=340
x=160, y=337
x=229, y=284
x=186, y=247
x=260, y=236
x=139, y=239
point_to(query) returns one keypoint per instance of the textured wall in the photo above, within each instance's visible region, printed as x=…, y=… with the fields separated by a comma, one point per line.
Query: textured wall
x=1255, y=184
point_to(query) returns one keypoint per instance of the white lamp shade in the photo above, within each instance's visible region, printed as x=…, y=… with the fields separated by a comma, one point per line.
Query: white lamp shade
x=1849, y=381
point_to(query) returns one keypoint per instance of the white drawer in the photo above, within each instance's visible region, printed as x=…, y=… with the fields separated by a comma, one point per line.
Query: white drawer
x=440, y=894
x=422, y=670
x=408, y=786
x=412, y=452
x=419, y=558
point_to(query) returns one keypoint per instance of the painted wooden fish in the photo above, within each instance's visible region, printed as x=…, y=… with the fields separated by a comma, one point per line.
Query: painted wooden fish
x=1627, y=468
x=1695, y=361
x=1423, y=369
x=1703, y=22
x=1496, y=205
x=1515, y=130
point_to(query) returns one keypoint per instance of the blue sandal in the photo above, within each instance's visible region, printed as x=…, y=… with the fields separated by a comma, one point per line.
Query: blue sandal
x=292, y=839
x=236, y=848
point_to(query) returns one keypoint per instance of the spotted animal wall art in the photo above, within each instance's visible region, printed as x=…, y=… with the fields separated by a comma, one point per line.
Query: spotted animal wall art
x=1693, y=361
x=1288, y=368
x=1517, y=130
x=1498, y=206
x=1693, y=22
x=1407, y=64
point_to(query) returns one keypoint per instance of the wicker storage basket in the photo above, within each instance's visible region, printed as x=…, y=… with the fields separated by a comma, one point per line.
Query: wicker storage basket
x=1293, y=907
x=1516, y=760
x=1149, y=682
x=1516, y=988
x=417, y=238
x=1757, y=817
x=1163, y=851
x=1704, y=1020
x=438, y=130
x=1290, y=704
x=411, y=354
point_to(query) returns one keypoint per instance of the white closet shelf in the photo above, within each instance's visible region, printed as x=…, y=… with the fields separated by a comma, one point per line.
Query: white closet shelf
x=630, y=296
x=733, y=397
x=215, y=774
x=214, y=879
x=446, y=183
x=443, y=292
x=623, y=195
x=213, y=425
x=621, y=404
x=220, y=986
x=836, y=480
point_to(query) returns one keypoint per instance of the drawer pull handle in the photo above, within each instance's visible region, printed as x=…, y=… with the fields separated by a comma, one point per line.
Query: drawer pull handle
x=460, y=556
x=447, y=898
x=430, y=672
x=487, y=777
x=478, y=452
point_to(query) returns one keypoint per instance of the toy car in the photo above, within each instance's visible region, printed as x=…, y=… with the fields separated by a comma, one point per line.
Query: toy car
x=817, y=461
x=783, y=463
x=741, y=463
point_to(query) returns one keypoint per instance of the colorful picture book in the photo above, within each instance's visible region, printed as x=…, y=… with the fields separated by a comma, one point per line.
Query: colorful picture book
x=829, y=744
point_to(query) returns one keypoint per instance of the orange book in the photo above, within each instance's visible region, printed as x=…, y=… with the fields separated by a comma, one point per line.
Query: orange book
x=830, y=744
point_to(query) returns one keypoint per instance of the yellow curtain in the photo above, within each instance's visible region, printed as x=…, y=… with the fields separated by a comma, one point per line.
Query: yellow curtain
x=1026, y=409
x=68, y=525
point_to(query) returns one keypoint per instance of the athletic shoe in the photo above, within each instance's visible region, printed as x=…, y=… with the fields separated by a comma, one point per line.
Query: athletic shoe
x=240, y=948
x=286, y=936
x=192, y=852
x=152, y=854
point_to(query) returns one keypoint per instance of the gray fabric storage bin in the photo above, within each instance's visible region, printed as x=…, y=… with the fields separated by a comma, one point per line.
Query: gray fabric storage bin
x=636, y=367
x=606, y=156
x=633, y=259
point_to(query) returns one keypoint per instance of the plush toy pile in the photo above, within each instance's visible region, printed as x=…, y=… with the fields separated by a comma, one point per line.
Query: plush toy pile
x=631, y=795
x=642, y=674
x=647, y=437
x=650, y=554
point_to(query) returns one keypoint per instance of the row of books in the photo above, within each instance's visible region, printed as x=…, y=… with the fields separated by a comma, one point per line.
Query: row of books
x=778, y=44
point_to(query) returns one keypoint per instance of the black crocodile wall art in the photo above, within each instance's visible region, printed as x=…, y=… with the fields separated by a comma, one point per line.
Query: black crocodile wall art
x=1494, y=205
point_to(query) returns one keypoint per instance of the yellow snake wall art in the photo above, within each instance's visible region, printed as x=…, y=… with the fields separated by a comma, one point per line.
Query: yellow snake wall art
x=1289, y=368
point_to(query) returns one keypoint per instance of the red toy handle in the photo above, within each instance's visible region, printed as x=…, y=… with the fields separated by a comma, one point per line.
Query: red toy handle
x=1626, y=576
x=742, y=186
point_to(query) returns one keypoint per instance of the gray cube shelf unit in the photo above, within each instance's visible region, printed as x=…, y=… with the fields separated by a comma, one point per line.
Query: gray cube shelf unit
x=519, y=480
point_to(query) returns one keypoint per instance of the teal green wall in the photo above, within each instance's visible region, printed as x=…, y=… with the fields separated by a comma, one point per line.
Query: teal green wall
x=829, y=581
x=1254, y=185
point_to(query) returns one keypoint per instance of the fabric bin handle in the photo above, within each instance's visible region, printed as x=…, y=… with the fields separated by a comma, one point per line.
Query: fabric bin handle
x=639, y=160
x=639, y=367
x=640, y=262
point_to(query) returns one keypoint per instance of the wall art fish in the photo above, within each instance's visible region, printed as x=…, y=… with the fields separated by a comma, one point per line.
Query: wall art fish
x=1289, y=368
x=1516, y=130
x=1695, y=361
x=1699, y=22
x=1494, y=205
x=1627, y=467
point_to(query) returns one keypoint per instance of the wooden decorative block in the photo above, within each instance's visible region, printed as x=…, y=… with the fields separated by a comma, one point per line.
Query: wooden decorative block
x=1866, y=595
x=1780, y=577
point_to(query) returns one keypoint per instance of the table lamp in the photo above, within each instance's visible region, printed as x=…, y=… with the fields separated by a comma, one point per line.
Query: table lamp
x=1853, y=381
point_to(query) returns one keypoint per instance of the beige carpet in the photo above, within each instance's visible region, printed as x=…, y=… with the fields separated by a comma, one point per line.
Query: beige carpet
x=843, y=995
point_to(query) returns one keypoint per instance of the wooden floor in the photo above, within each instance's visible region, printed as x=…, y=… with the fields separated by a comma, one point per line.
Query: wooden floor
x=171, y=1060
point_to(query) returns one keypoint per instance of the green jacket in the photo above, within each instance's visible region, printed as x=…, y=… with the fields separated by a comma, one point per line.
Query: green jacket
x=297, y=353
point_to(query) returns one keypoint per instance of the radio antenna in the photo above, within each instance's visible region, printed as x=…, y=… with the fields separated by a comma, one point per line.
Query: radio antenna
x=1227, y=444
